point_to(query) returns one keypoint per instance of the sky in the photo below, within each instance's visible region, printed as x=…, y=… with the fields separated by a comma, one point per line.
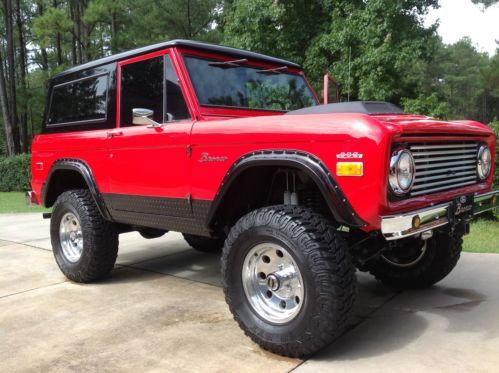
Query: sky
x=459, y=18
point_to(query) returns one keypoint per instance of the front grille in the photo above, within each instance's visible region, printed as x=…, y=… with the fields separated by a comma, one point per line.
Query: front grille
x=442, y=167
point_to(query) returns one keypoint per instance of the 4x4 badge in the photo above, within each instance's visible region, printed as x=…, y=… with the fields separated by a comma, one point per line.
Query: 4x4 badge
x=347, y=155
x=205, y=157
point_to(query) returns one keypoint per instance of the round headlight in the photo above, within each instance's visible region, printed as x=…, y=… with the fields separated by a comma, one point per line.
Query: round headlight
x=484, y=162
x=402, y=171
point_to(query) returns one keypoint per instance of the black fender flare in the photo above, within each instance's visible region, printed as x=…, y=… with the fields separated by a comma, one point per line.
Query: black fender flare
x=84, y=170
x=311, y=165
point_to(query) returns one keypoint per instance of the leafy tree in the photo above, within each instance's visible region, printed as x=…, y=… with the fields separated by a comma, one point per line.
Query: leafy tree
x=372, y=46
x=39, y=38
x=280, y=28
x=485, y=3
x=490, y=95
x=376, y=49
x=457, y=74
x=426, y=105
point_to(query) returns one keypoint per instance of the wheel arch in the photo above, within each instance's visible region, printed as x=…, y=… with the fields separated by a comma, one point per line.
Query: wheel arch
x=336, y=201
x=67, y=174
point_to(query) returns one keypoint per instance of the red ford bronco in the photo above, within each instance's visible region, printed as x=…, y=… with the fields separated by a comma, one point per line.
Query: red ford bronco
x=232, y=149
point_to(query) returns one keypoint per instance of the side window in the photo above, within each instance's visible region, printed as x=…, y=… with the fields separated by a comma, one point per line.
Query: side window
x=142, y=87
x=176, y=108
x=82, y=100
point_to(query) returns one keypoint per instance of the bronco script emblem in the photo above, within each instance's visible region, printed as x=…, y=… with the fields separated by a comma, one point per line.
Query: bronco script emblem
x=463, y=205
x=205, y=157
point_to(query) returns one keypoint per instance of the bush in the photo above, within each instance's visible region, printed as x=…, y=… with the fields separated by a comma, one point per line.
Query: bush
x=495, y=128
x=15, y=173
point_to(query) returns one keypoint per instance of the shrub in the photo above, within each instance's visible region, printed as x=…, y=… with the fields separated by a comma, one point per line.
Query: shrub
x=15, y=173
x=495, y=128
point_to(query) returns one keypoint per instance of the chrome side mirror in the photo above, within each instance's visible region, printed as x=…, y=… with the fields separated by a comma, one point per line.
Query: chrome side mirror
x=141, y=117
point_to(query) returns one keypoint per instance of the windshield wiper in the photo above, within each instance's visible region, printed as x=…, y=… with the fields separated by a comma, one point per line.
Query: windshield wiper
x=229, y=64
x=274, y=71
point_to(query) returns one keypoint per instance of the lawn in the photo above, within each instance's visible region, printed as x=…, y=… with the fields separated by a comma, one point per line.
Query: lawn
x=484, y=236
x=14, y=202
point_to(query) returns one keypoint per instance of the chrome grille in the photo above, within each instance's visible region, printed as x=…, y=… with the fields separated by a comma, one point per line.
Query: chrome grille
x=442, y=167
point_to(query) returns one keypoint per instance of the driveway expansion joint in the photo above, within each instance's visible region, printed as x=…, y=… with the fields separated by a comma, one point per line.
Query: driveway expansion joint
x=33, y=289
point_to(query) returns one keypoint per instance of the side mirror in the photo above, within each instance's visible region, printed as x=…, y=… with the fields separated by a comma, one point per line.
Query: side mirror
x=331, y=91
x=141, y=117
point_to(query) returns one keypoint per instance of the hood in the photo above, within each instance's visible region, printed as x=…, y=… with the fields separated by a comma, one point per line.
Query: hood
x=422, y=125
x=395, y=120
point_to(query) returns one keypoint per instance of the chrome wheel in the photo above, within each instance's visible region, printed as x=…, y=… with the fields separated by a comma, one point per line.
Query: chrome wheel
x=71, y=237
x=273, y=283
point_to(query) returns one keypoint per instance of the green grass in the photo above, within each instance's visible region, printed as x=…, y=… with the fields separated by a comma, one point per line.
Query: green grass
x=11, y=202
x=484, y=236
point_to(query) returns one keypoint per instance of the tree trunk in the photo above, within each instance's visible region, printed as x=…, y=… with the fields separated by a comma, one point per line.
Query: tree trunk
x=87, y=31
x=9, y=136
x=189, y=23
x=113, y=32
x=45, y=60
x=74, y=55
x=43, y=51
x=58, y=40
x=78, y=30
x=11, y=72
x=23, y=116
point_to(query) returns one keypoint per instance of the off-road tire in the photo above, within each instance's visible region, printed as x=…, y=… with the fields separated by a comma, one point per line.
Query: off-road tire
x=100, y=238
x=442, y=254
x=204, y=244
x=326, y=268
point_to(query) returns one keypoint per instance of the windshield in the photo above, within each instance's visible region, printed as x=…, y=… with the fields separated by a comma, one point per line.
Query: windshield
x=231, y=84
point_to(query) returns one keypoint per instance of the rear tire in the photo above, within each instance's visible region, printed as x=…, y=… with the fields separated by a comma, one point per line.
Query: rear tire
x=204, y=244
x=151, y=233
x=312, y=261
x=85, y=246
x=439, y=258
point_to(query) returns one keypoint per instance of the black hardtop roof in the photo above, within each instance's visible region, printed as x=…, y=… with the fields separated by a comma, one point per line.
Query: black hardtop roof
x=240, y=53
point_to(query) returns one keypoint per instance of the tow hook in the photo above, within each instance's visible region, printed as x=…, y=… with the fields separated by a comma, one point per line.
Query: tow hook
x=47, y=215
x=426, y=235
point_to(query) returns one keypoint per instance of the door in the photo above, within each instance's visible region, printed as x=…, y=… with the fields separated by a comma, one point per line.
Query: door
x=148, y=173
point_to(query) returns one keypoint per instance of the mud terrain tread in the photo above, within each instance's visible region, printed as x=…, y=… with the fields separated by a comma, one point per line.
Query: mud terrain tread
x=328, y=261
x=100, y=238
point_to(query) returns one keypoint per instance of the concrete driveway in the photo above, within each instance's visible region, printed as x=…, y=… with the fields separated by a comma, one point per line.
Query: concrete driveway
x=162, y=309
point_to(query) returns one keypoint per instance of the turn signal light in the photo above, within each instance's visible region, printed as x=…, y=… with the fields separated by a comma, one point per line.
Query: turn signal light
x=416, y=222
x=349, y=169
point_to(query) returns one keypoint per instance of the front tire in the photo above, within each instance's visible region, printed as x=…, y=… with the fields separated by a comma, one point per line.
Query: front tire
x=438, y=257
x=85, y=246
x=288, y=279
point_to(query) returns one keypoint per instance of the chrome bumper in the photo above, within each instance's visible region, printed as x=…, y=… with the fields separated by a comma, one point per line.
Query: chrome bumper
x=407, y=224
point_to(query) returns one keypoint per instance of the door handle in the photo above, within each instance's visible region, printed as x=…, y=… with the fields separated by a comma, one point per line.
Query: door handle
x=114, y=133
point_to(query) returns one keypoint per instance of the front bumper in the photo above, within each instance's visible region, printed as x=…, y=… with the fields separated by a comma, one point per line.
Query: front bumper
x=394, y=227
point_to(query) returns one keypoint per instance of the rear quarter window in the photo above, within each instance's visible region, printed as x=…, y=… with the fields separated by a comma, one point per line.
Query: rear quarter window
x=82, y=100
